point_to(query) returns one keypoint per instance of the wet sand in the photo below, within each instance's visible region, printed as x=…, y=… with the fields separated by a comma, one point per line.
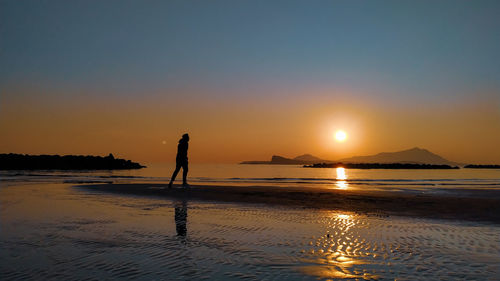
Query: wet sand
x=54, y=231
x=470, y=205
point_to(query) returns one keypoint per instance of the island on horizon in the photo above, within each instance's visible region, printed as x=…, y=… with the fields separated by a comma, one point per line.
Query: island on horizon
x=13, y=161
x=380, y=166
x=414, y=158
x=480, y=166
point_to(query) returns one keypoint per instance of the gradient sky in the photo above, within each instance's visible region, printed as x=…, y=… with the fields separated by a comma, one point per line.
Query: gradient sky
x=249, y=79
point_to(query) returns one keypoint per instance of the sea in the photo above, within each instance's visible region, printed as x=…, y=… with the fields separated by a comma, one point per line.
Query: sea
x=427, y=181
x=52, y=228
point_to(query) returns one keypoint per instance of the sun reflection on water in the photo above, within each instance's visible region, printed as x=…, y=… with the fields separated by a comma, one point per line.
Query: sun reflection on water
x=343, y=216
x=340, y=251
x=341, y=178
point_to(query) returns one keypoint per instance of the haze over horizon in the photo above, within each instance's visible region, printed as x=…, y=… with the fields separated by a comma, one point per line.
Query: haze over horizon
x=250, y=79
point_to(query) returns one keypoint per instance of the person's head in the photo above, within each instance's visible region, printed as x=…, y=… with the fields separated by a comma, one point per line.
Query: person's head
x=185, y=137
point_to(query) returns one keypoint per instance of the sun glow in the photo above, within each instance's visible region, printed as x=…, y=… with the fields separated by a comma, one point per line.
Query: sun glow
x=340, y=136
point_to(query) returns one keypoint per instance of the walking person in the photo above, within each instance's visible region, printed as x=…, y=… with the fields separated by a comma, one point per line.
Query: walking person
x=181, y=161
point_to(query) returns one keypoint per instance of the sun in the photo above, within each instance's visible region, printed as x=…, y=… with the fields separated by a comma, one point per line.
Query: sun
x=340, y=136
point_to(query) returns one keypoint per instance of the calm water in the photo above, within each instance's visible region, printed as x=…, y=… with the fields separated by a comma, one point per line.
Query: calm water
x=50, y=229
x=284, y=175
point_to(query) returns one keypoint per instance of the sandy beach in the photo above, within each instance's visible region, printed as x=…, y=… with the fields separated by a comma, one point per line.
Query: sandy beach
x=481, y=205
x=54, y=230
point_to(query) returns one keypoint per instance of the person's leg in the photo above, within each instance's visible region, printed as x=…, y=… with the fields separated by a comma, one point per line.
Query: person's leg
x=184, y=173
x=177, y=168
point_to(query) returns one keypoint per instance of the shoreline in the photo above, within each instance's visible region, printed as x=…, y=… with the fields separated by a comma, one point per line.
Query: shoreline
x=385, y=203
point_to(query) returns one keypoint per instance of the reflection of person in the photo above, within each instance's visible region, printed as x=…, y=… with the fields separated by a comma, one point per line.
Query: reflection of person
x=181, y=161
x=181, y=218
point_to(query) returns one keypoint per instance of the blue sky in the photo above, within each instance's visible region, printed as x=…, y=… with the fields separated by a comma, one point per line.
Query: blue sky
x=130, y=47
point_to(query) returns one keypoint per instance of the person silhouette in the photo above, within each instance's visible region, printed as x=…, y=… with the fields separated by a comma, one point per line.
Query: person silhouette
x=181, y=218
x=181, y=161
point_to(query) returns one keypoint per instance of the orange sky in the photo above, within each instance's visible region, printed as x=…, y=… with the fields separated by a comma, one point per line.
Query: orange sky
x=248, y=79
x=253, y=128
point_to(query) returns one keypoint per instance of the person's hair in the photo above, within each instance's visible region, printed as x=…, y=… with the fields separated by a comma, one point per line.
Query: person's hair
x=185, y=136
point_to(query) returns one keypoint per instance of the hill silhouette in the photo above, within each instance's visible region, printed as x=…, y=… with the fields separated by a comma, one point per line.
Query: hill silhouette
x=68, y=162
x=308, y=157
x=415, y=156
x=280, y=160
x=410, y=156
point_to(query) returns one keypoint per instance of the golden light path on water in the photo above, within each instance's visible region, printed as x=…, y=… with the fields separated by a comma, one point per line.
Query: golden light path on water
x=338, y=255
x=340, y=250
x=341, y=182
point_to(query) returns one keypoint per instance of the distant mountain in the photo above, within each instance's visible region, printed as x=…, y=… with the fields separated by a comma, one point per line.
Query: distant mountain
x=415, y=155
x=280, y=160
x=410, y=156
x=308, y=157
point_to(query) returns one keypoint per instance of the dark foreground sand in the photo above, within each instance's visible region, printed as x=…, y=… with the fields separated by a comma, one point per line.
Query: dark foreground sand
x=473, y=206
